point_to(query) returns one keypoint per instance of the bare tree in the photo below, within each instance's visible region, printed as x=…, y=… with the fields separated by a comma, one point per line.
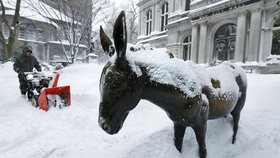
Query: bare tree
x=74, y=19
x=109, y=16
x=7, y=49
x=132, y=17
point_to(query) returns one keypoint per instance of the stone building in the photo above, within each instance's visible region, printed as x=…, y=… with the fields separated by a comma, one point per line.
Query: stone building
x=35, y=30
x=210, y=31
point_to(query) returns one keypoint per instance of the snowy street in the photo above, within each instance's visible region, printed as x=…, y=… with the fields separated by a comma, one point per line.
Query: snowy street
x=73, y=132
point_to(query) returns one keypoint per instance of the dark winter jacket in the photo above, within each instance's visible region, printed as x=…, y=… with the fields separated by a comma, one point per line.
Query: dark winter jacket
x=25, y=63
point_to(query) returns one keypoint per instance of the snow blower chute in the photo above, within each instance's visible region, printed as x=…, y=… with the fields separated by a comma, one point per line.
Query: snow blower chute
x=55, y=95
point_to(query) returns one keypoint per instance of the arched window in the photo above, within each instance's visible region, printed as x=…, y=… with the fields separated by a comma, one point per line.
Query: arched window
x=187, y=48
x=275, y=49
x=149, y=22
x=164, y=16
x=31, y=32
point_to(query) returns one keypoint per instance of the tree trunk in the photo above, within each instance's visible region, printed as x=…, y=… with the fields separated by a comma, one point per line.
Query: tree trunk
x=13, y=31
x=8, y=48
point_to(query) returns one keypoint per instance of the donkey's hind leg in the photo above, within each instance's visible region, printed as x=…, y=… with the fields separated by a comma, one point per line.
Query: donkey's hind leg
x=179, y=132
x=236, y=114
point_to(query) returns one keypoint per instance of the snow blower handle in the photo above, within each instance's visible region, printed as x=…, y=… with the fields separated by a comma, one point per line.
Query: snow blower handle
x=55, y=78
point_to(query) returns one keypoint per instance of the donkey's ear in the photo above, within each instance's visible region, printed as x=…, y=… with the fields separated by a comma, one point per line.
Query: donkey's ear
x=120, y=35
x=105, y=42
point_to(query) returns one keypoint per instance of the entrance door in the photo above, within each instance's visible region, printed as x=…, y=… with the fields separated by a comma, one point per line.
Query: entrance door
x=224, y=45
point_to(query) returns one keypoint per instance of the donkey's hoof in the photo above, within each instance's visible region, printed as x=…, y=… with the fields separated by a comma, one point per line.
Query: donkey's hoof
x=233, y=139
x=203, y=153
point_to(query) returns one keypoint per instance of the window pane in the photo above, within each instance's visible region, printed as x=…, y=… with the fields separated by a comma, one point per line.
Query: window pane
x=31, y=33
x=22, y=33
x=40, y=36
x=147, y=29
x=187, y=7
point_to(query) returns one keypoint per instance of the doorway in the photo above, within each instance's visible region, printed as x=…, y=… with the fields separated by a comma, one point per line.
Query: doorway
x=224, y=45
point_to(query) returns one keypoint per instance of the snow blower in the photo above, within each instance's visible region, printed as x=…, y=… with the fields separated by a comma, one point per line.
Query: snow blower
x=44, y=92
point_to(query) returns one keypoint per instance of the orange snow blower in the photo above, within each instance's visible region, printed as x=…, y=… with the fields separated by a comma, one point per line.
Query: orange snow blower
x=44, y=92
x=62, y=93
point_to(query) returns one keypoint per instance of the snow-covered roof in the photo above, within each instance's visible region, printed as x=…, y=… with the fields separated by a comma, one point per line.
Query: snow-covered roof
x=27, y=10
x=208, y=6
x=65, y=42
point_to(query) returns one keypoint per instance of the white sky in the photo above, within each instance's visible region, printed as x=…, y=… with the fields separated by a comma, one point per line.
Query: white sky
x=118, y=2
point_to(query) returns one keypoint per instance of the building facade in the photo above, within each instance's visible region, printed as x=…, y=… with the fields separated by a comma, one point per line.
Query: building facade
x=211, y=31
x=42, y=35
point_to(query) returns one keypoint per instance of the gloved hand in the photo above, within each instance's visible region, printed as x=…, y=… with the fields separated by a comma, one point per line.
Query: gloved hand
x=20, y=73
x=17, y=70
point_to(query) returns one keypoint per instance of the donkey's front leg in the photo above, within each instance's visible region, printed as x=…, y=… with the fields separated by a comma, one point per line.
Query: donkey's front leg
x=200, y=133
x=179, y=132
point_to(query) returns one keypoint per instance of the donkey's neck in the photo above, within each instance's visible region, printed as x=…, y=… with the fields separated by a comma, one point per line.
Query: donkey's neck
x=166, y=97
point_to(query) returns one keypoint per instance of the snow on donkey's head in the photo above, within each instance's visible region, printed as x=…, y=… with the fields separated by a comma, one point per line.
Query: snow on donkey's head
x=190, y=94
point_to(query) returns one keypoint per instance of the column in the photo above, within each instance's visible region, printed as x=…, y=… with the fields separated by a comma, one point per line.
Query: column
x=142, y=22
x=202, y=43
x=254, y=36
x=266, y=37
x=171, y=6
x=194, y=43
x=157, y=18
x=240, y=42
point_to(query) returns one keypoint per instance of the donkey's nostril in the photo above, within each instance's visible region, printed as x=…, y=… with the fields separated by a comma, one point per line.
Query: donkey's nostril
x=105, y=126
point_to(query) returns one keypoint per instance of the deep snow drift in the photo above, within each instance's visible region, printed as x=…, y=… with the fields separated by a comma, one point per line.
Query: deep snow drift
x=27, y=132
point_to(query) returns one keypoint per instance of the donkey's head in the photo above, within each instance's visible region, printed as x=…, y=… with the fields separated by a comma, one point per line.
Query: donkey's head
x=119, y=88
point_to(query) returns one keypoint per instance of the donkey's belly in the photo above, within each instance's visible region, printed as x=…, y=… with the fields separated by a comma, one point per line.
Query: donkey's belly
x=222, y=104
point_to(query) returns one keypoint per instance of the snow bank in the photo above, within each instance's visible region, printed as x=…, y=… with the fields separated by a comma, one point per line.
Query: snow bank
x=73, y=132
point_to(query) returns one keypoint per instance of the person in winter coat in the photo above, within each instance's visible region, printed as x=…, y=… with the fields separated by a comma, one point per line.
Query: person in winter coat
x=25, y=62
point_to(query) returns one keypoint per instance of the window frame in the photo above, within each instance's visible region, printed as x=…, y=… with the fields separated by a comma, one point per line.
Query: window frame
x=149, y=19
x=40, y=35
x=31, y=33
x=164, y=17
x=22, y=33
x=187, y=47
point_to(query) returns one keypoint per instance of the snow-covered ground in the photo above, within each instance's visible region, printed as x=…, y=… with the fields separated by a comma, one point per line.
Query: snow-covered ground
x=73, y=132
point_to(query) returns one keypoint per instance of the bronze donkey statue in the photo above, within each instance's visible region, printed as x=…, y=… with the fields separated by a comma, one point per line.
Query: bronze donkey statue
x=189, y=102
